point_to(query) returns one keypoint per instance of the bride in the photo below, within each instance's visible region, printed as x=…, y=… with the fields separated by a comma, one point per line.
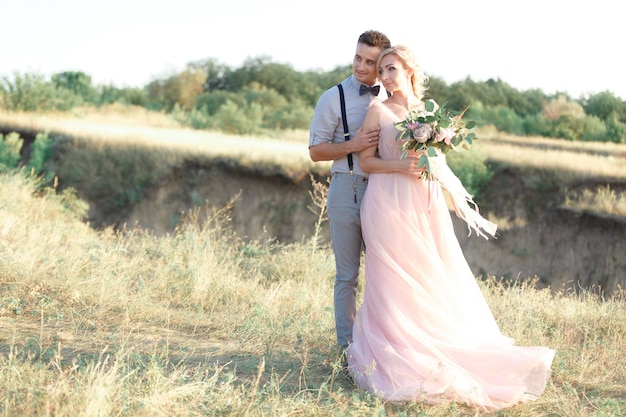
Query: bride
x=424, y=331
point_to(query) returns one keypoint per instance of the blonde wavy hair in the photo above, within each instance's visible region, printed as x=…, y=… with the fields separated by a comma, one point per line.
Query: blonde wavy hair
x=409, y=62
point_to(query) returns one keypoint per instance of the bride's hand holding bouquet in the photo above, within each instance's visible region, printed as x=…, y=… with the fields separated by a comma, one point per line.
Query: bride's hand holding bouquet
x=432, y=133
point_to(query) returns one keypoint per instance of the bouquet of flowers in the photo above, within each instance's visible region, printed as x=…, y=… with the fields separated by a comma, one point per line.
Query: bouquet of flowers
x=434, y=130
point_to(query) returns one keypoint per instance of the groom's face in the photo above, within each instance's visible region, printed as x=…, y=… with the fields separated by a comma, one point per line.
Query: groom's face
x=364, y=63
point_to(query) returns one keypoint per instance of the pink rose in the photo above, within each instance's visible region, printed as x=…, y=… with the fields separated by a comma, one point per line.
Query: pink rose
x=445, y=135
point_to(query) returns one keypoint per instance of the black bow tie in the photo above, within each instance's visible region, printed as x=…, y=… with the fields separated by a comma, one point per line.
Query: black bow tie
x=365, y=89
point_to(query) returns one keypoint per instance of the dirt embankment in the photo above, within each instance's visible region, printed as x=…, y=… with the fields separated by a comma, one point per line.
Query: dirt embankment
x=560, y=247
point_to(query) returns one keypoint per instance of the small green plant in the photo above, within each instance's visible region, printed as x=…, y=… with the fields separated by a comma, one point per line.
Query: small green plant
x=472, y=169
x=10, y=147
x=40, y=154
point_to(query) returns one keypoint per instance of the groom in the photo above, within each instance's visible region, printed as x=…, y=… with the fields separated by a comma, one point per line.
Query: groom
x=327, y=142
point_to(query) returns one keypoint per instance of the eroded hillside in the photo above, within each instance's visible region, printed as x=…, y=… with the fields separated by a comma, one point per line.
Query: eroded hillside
x=538, y=236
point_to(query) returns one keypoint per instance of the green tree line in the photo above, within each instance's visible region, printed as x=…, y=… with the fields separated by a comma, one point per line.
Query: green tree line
x=264, y=95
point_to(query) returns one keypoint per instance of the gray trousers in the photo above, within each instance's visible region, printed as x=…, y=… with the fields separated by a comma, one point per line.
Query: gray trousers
x=347, y=241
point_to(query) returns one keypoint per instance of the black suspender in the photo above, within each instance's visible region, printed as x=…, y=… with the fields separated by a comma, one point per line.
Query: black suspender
x=346, y=133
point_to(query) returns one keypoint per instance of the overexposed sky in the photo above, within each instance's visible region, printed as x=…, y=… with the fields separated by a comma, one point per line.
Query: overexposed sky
x=558, y=46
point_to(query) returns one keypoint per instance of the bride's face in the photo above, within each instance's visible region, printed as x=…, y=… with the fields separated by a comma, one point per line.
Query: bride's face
x=392, y=74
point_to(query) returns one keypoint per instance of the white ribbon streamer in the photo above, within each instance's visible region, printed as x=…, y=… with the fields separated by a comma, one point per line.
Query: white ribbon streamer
x=440, y=171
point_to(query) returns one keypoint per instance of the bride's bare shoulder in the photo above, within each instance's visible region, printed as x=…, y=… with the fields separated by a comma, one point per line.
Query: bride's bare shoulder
x=393, y=107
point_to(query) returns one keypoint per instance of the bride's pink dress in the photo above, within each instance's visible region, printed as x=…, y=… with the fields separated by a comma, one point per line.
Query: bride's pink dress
x=424, y=331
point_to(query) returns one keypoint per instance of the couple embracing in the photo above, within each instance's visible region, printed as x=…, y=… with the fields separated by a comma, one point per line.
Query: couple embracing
x=424, y=331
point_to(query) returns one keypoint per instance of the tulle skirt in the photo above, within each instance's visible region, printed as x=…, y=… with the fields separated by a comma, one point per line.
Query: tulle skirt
x=424, y=331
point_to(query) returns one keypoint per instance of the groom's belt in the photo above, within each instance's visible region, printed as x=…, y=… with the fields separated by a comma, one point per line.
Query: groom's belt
x=356, y=176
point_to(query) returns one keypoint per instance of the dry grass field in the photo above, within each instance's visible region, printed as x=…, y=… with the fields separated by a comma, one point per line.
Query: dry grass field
x=200, y=323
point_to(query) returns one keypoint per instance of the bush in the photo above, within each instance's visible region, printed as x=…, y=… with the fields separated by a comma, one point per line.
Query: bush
x=31, y=92
x=78, y=84
x=615, y=129
x=503, y=118
x=535, y=124
x=10, y=151
x=293, y=116
x=589, y=128
x=194, y=118
x=40, y=154
x=212, y=101
x=592, y=129
x=232, y=119
x=472, y=170
x=113, y=176
x=130, y=96
x=28, y=92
